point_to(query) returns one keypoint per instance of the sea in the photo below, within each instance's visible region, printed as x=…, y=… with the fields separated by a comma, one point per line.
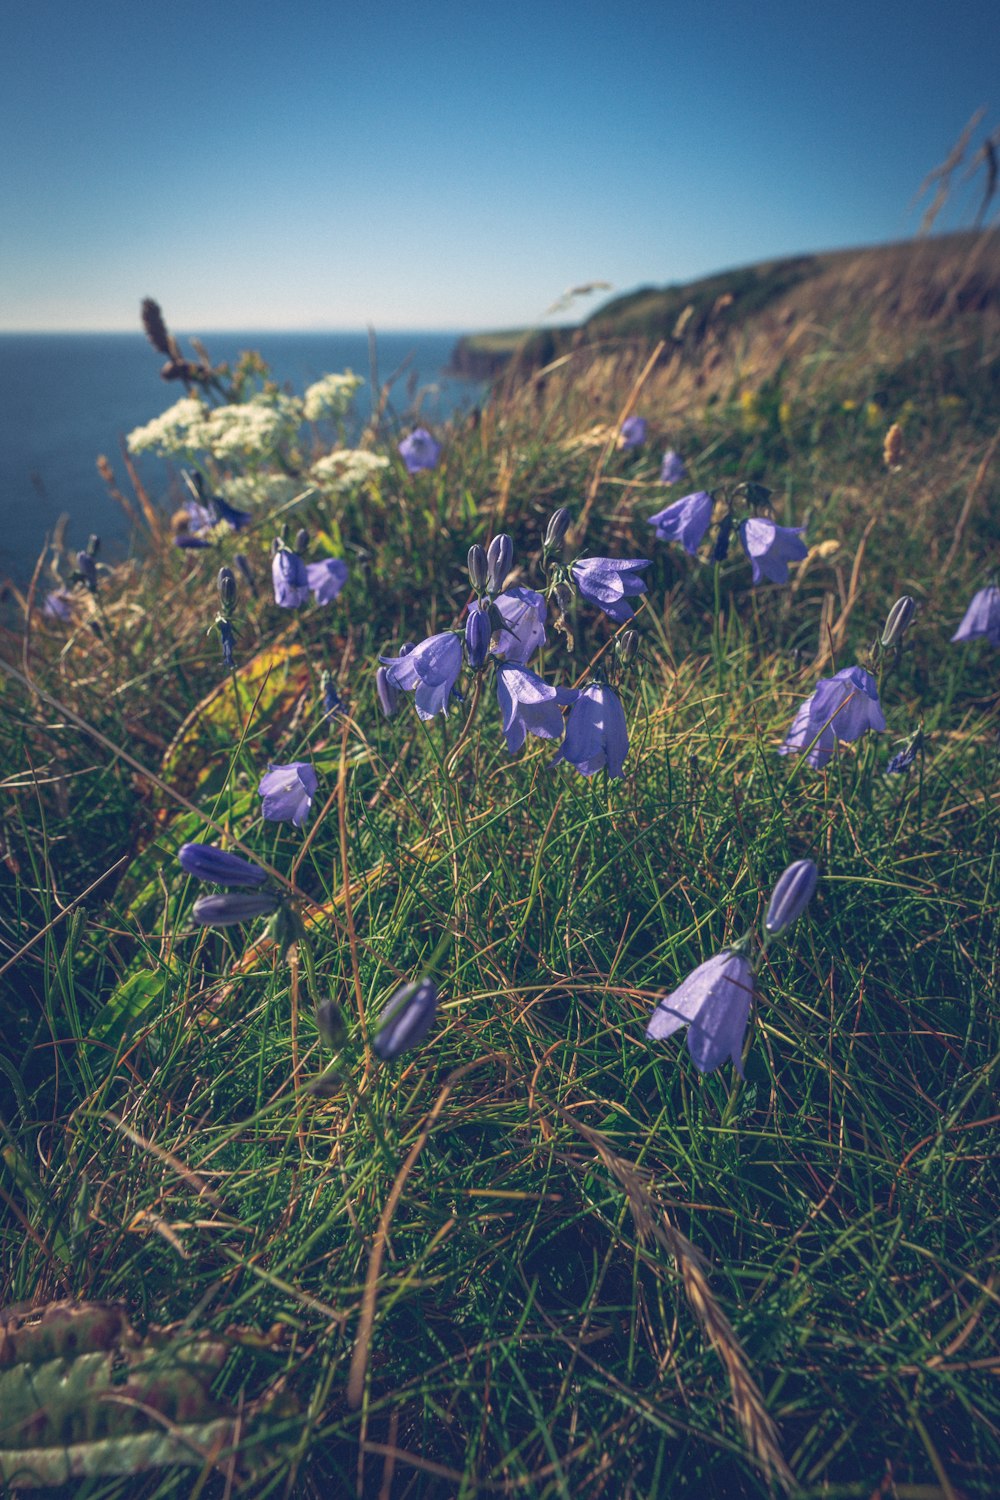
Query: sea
x=65, y=398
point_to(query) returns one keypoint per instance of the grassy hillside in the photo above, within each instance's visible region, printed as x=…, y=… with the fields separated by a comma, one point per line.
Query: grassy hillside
x=537, y=1254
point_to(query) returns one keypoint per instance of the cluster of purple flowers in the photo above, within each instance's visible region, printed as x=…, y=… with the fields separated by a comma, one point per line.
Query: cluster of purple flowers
x=219, y=867
x=294, y=579
x=768, y=546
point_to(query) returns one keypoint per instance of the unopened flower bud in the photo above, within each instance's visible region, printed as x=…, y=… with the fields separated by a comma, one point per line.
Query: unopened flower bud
x=555, y=532
x=406, y=1019
x=244, y=566
x=477, y=637
x=207, y=862
x=477, y=567
x=87, y=569
x=499, y=559
x=627, y=646
x=331, y=1024
x=228, y=640
x=239, y=906
x=721, y=548
x=791, y=896
x=898, y=620
x=301, y=541
x=226, y=584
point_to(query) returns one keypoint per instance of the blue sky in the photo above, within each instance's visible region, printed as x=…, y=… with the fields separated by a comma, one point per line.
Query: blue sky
x=455, y=165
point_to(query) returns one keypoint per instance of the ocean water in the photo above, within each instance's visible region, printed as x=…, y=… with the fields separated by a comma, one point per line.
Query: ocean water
x=65, y=398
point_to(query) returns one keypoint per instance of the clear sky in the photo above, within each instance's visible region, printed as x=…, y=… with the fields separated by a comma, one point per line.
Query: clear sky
x=455, y=164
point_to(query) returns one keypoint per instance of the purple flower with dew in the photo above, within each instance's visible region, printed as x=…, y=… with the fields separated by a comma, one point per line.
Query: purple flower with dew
x=529, y=706
x=609, y=582
x=499, y=559
x=208, y=862
x=419, y=450
x=523, y=613
x=291, y=580
x=633, y=433
x=58, y=605
x=673, y=468
x=791, y=895
x=771, y=547
x=239, y=906
x=406, y=1019
x=477, y=636
x=840, y=707
x=326, y=578
x=982, y=618
x=685, y=521
x=429, y=670
x=596, y=733
x=713, y=1002
x=288, y=792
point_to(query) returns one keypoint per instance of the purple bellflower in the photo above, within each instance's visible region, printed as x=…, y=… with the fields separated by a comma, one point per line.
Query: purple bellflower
x=523, y=613
x=771, y=548
x=791, y=896
x=673, y=468
x=685, y=521
x=291, y=579
x=288, y=792
x=713, y=1002
x=419, y=451
x=238, y=520
x=901, y=761
x=608, y=582
x=429, y=670
x=58, y=605
x=840, y=707
x=406, y=1019
x=633, y=433
x=982, y=617
x=208, y=862
x=326, y=578
x=529, y=706
x=237, y=906
x=596, y=733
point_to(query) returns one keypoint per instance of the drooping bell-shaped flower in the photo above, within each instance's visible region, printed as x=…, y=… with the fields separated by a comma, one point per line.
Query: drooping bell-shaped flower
x=290, y=578
x=673, y=469
x=326, y=578
x=982, y=618
x=596, y=732
x=529, y=706
x=685, y=521
x=771, y=547
x=841, y=707
x=430, y=671
x=523, y=613
x=713, y=1002
x=288, y=792
x=633, y=433
x=419, y=450
x=609, y=582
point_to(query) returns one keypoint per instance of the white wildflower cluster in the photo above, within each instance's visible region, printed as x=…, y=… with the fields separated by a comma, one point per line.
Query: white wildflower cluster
x=331, y=396
x=246, y=491
x=254, y=430
x=176, y=432
x=346, y=468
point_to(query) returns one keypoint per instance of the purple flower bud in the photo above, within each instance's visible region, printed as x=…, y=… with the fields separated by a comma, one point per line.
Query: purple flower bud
x=207, y=862
x=477, y=637
x=901, y=761
x=226, y=637
x=685, y=521
x=288, y=792
x=897, y=621
x=982, y=618
x=419, y=451
x=673, y=469
x=555, y=532
x=627, y=647
x=499, y=558
x=633, y=433
x=301, y=541
x=227, y=911
x=477, y=567
x=791, y=896
x=332, y=701
x=713, y=1002
x=406, y=1019
x=388, y=693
